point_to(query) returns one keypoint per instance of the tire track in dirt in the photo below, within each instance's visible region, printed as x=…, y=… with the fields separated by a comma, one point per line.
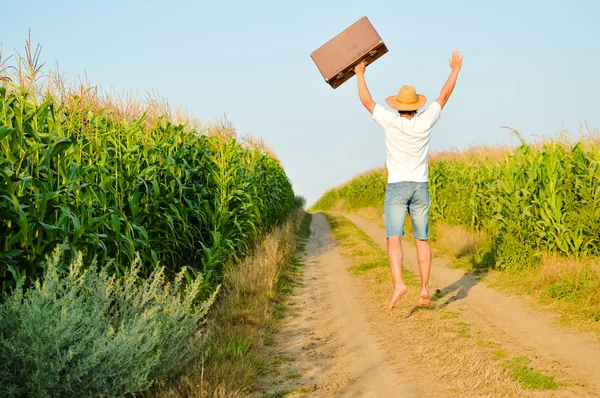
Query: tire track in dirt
x=327, y=347
x=568, y=355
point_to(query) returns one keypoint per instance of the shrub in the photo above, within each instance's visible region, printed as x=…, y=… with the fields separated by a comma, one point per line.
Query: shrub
x=81, y=332
x=583, y=283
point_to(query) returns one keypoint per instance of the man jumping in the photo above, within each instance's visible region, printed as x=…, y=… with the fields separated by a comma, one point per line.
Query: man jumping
x=407, y=141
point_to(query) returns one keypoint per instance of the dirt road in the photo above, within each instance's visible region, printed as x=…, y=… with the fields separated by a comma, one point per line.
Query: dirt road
x=331, y=350
x=340, y=341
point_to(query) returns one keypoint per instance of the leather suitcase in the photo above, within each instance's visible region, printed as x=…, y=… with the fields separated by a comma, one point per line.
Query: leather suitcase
x=337, y=58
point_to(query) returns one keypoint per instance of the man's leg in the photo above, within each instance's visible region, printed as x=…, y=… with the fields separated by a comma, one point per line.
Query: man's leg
x=419, y=214
x=395, y=209
x=424, y=259
x=394, y=249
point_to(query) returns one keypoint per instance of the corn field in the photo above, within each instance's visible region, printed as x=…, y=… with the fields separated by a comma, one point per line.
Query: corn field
x=365, y=190
x=75, y=174
x=535, y=199
x=542, y=199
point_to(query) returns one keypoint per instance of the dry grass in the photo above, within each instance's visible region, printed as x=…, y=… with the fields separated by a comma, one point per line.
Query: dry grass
x=456, y=240
x=446, y=350
x=568, y=286
x=494, y=153
x=497, y=153
x=373, y=214
x=242, y=322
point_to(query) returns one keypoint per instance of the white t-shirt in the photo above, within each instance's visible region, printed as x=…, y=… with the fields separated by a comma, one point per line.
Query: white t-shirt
x=407, y=142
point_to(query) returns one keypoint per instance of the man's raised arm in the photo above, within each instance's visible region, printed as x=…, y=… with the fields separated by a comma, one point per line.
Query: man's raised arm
x=363, y=91
x=455, y=65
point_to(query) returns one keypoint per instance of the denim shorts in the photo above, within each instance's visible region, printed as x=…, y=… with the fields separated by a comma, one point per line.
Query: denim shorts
x=407, y=197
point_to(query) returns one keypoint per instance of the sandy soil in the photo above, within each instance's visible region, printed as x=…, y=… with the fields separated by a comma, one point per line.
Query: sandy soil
x=340, y=341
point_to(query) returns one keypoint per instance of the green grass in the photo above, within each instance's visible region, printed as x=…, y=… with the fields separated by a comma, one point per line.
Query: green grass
x=303, y=232
x=520, y=370
x=463, y=330
x=487, y=344
x=529, y=378
x=365, y=253
x=285, y=393
x=585, y=283
x=499, y=354
x=289, y=280
x=451, y=314
x=278, y=394
x=362, y=268
x=566, y=286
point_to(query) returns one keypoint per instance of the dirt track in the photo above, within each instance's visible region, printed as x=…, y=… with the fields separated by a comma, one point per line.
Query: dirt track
x=340, y=341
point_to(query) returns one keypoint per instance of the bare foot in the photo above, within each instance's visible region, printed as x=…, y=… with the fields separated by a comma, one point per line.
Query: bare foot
x=424, y=296
x=397, y=295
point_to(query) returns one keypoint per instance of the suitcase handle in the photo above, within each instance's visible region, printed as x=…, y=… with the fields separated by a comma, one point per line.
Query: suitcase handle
x=340, y=75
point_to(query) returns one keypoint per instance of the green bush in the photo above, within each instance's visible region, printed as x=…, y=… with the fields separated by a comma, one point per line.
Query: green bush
x=583, y=284
x=513, y=252
x=81, y=332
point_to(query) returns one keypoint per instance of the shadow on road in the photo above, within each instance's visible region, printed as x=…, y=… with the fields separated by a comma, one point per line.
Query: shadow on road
x=451, y=293
x=459, y=289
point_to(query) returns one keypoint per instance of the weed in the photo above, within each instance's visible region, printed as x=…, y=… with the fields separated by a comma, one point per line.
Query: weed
x=361, y=268
x=487, y=344
x=450, y=314
x=278, y=394
x=499, y=354
x=529, y=378
x=293, y=376
x=463, y=330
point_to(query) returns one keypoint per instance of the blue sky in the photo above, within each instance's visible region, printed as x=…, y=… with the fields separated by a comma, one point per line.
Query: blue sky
x=531, y=65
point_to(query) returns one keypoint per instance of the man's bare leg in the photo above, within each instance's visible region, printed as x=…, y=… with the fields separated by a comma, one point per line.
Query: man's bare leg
x=424, y=258
x=394, y=247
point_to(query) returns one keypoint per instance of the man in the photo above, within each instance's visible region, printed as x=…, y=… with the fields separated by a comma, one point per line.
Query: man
x=407, y=140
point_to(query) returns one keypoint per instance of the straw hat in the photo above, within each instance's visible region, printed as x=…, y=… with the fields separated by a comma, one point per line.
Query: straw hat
x=406, y=100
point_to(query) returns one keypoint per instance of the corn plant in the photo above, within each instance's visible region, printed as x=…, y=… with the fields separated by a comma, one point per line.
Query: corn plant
x=535, y=199
x=73, y=173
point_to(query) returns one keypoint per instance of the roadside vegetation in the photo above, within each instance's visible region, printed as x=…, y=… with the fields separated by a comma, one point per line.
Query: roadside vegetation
x=119, y=219
x=246, y=317
x=531, y=213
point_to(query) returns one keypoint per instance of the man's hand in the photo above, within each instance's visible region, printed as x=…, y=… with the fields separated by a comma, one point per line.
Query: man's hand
x=456, y=65
x=456, y=61
x=360, y=68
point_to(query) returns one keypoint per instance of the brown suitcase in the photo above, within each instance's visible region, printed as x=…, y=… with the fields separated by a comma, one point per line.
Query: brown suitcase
x=337, y=58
